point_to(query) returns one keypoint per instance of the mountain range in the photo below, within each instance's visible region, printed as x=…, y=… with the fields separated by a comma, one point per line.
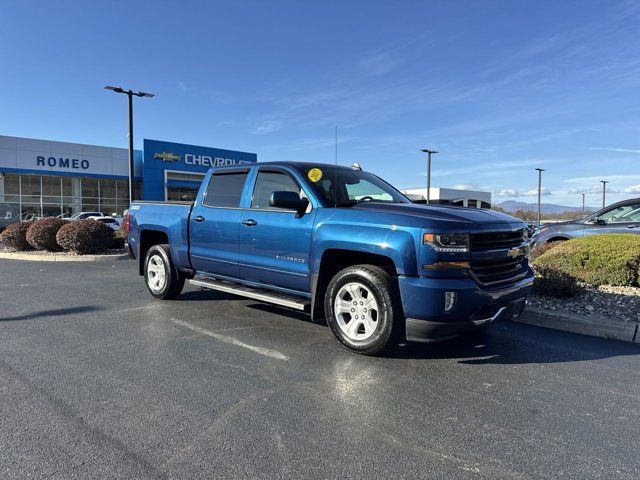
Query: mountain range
x=545, y=208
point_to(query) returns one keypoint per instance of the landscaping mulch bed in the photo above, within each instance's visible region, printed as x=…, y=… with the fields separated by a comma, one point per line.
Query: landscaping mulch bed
x=619, y=303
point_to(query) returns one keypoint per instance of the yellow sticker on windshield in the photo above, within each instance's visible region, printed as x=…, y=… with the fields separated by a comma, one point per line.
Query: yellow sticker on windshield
x=314, y=174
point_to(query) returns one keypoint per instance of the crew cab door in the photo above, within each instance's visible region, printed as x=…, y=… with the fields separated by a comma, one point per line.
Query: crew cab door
x=214, y=223
x=275, y=243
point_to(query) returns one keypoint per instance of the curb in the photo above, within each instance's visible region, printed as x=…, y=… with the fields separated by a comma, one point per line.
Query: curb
x=584, y=325
x=63, y=258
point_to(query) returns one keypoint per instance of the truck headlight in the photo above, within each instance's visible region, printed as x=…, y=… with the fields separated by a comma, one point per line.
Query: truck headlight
x=447, y=242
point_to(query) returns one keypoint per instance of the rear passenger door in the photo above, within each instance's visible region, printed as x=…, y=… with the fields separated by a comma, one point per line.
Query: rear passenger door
x=274, y=242
x=213, y=229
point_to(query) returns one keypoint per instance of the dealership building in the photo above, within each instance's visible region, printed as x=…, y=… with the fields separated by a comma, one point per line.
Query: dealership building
x=50, y=178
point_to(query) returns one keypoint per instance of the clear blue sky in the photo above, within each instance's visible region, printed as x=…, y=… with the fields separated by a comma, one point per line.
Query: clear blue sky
x=497, y=87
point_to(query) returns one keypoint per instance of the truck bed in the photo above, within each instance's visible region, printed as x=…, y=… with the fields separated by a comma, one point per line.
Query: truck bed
x=170, y=218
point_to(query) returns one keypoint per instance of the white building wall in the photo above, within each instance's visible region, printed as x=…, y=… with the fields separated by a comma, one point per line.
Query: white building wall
x=450, y=195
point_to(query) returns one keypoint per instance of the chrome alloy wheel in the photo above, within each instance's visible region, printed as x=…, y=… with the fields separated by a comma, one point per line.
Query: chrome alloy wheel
x=156, y=274
x=356, y=311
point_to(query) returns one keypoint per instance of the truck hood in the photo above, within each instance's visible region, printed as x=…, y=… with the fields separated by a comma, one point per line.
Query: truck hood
x=440, y=215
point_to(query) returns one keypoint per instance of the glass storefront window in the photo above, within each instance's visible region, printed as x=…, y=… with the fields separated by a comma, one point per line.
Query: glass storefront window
x=107, y=188
x=89, y=187
x=9, y=213
x=183, y=194
x=51, y=190
x=30, y=185
x=51, y=210
x=34, y=196
x=90, y=204
x=67, y=186
x=11, y=184
x=123, y=189
x=108, y=207
x=30, y=212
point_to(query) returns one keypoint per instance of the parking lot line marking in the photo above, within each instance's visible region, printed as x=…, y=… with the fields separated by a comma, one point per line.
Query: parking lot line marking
x=268, y=352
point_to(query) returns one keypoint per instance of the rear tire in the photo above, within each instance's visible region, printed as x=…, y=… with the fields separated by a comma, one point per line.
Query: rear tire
x=362, y=307
x=162, y=278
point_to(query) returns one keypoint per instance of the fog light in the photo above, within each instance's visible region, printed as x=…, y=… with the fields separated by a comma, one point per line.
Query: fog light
x=449, y=300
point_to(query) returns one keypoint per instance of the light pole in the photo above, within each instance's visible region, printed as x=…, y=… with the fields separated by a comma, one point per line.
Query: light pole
x=540, y=170
x=130, y=94
x=429, y=153
x=582, y=204
x=604, y=191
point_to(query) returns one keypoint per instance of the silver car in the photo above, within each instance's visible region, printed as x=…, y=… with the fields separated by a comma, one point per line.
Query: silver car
x=621, y=217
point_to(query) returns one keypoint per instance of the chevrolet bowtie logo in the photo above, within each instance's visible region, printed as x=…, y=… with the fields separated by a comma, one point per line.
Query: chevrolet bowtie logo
x=514, y=252
x=167, y=157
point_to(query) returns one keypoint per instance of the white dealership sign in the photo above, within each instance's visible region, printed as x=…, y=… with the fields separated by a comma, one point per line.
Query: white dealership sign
x=43, y=156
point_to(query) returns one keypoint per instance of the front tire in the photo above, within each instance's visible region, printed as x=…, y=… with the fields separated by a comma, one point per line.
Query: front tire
x=362, y=308
x=162, y=278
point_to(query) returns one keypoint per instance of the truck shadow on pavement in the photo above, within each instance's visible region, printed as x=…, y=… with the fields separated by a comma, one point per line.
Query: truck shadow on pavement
x=59, y=312
x=507, y=343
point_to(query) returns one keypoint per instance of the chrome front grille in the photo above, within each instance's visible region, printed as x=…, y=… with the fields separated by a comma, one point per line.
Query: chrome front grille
x=495, y=258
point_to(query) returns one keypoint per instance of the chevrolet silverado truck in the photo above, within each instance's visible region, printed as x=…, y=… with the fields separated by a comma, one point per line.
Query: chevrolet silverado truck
x=341, y=244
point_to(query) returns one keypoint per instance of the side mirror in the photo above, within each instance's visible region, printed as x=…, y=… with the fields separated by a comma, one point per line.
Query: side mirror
x=289, y=201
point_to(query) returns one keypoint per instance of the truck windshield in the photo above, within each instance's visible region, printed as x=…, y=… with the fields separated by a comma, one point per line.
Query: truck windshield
x=344, y=187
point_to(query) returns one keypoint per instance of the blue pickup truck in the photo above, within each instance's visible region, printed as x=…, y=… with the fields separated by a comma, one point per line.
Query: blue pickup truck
x=341, y=244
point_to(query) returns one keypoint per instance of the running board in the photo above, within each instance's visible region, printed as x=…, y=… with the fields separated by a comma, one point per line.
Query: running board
x=254, y=293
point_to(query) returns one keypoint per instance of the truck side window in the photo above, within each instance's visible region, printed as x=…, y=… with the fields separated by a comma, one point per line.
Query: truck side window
x=225, y=190
x=268, y=182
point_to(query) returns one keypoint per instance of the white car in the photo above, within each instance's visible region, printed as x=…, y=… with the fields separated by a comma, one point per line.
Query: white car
x=85, y=215
x=110, y=222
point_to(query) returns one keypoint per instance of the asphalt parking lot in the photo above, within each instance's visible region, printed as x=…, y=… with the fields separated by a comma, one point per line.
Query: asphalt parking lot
x=99, y=380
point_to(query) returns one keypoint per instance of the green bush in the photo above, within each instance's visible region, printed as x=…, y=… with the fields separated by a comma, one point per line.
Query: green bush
x=41, y=235
x=610, y=259
x=552, y=282
x=85, y=236
x=14, y=236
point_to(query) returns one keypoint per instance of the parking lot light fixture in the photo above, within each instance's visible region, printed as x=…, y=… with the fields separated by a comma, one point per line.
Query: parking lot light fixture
x=429, y=153
x=540, y=170
x=130, y=93
x=604, y=191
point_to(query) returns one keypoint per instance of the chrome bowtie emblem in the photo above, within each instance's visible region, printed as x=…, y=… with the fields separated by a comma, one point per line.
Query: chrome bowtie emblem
x=514, y=252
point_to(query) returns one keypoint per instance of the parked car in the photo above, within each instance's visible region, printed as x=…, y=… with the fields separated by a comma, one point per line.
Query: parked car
x=85, y=215
x=338, y=243
x=111, y=222
x=621, y=217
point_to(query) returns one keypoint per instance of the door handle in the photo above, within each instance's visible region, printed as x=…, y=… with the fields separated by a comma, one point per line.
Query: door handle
x=250, y=222
x=199, y=218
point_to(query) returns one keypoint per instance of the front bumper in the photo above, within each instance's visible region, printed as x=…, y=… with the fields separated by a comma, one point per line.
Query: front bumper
x=428, y=330
x=423, y=304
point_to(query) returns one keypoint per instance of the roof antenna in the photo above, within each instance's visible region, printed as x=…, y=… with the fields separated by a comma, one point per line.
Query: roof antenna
x=335, y=173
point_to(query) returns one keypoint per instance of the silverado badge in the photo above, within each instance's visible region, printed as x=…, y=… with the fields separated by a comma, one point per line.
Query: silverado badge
x=167, y=157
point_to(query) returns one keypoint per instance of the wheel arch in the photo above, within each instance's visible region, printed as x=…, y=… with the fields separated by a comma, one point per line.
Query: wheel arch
x=335, y=259
x=149, y=238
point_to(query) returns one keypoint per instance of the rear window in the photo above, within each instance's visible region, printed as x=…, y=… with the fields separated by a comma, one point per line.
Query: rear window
x=225, y=189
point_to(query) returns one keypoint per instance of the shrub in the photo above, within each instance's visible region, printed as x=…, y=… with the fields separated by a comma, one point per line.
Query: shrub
x=15, y=236
x=85, y=236
x=552, y=282
x=541, y=248
x=610, y=259
x=41, y=235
